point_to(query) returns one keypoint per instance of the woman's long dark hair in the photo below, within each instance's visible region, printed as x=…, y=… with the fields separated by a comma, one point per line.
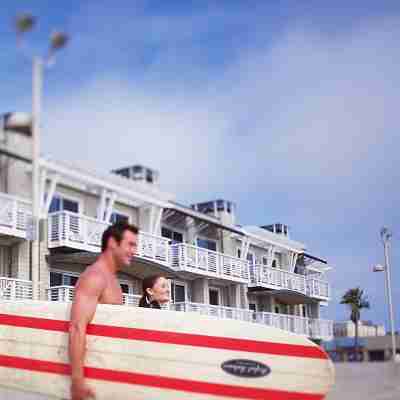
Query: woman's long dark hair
x=148, y=283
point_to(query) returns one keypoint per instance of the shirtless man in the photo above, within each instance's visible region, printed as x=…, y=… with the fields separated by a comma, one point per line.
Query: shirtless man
x=97, y=284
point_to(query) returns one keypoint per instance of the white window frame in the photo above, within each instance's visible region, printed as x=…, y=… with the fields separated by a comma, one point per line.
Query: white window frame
x=116, y=211
x=71, y=198
x=206, y=238
x=177, y=230
x=179, y=283
x=63, y=272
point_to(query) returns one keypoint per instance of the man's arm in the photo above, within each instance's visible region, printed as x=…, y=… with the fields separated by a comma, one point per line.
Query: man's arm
x=87, y=294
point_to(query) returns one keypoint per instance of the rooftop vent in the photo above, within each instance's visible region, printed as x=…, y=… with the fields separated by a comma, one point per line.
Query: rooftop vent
x=138, y=173
x=280, y=229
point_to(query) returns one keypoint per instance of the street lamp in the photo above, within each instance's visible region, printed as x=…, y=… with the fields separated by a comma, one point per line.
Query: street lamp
x=386, y=235
x=25, y=23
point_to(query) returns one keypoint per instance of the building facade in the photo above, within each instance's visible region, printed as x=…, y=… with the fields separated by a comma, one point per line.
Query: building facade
x=215, y=266
x=365, y=329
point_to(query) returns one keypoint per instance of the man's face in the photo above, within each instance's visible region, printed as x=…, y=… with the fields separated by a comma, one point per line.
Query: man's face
x=126, y=249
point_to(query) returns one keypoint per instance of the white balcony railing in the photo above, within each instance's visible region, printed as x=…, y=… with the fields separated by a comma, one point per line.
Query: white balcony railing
x=216, y=311
x=131, y=299
x=318, y=288
x=206, y=262
x=274, y=278
x=60, y=293
x=15, y=289
x=315, y=328
x=153, y=247
x=277, y=278
x=290, y=323
x=66, y=294
x=67, y=229
x=15, y=214
x=75, y=230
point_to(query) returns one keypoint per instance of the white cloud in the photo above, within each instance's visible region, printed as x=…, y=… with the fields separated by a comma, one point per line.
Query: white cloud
x=311, y=109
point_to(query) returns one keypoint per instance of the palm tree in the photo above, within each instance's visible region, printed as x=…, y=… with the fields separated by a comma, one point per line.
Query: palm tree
x=356, y=301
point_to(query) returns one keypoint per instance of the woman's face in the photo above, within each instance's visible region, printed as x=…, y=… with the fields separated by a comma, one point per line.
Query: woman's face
x=160, y=291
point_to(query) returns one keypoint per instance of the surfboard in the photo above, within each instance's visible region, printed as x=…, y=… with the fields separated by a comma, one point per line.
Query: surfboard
x=144, y=354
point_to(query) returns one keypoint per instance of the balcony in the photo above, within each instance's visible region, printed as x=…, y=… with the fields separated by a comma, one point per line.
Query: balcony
x=15, y=214
x=66, y=294
x=314, y=328
x=215, y=311
x=311, y=327
x=208, y=263
x=76, y=231
x=275, y=278
x=318, y=288
x=67, y=229
x=15, y=289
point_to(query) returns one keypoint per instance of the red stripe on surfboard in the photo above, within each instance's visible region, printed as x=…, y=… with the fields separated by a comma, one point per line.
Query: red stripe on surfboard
x=186, y=385
x=186, y=339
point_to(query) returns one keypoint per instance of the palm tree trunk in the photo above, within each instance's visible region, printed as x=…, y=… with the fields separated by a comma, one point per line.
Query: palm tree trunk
x=356, y=340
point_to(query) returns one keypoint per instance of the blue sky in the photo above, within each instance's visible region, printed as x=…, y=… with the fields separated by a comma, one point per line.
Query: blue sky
x=289, y=110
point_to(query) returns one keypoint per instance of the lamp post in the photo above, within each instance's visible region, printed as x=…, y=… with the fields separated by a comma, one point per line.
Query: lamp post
x=25, y=23
x=386, y=236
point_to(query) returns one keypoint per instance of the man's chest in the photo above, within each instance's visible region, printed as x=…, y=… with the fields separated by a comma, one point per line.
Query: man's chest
x=112, y=294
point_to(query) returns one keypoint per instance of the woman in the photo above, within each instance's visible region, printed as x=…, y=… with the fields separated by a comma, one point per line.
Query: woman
x=155, y=292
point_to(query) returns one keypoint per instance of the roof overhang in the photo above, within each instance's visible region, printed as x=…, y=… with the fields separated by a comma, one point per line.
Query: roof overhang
x=189, y=212
x=88, y=178
x=261, y=242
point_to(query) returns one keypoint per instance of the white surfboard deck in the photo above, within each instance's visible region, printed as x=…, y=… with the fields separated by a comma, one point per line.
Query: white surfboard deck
x=143, y=354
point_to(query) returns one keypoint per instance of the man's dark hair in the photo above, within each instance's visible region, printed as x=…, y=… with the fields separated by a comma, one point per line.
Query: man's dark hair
x=116, y=231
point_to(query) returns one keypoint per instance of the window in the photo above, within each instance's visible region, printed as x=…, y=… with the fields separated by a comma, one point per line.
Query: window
x=214, y=294
x=220, y=205
x=149, y=176
x=63, y=279
x=239, y=253
x=176, y=237
x=265, y=260
x=59, y=203
x=250, y=257
x=206, y=207
x=252, y=307
x=117, y=217
x=55, y=279
x=124, y=287
x=207, y=244
x=124, y=172
x=178, y=292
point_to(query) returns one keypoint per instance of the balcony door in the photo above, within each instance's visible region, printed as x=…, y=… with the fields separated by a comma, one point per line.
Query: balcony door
x=215, y=296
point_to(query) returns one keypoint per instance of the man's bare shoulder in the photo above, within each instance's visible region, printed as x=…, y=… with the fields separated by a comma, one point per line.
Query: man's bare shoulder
x=93, y=278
